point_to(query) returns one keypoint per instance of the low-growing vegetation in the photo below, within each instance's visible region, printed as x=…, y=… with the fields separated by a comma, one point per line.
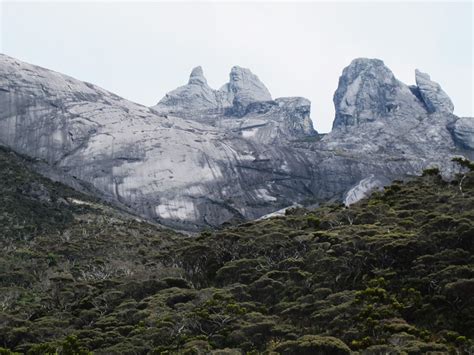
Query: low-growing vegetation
x=391, y=274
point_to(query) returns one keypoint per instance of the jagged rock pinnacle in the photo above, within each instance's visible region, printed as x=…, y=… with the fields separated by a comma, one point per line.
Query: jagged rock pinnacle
x=197, y=77
x=245, y=84
x=368, y=91
x=435, y=98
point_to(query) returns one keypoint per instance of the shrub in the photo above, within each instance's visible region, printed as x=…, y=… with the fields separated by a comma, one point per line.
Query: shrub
x=465, y=163
x=312, y=222
x=431, y=172
x=313, y=344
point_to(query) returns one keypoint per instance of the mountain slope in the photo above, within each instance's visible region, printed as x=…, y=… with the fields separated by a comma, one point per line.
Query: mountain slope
x=391, y=273
x=136, y=157
x=237, y=158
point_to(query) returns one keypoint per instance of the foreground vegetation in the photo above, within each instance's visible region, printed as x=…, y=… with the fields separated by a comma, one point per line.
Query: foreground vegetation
x=392, y=274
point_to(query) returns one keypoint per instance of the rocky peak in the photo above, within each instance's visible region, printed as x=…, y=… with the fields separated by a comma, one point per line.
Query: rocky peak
x=366, y=66
x=244, y=88
x=435, y=99
x=246, y=85
x=195, y=96
x=197, y=77
x=247, y=101
x=368, y=91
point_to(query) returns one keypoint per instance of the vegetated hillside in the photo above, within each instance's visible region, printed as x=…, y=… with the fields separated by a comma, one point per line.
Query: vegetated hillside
x=391, y=274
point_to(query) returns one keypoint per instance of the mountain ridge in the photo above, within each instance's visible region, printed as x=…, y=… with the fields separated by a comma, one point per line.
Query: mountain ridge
x=192, y=170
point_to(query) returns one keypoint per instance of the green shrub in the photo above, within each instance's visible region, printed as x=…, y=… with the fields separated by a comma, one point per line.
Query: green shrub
x=313, y=344
x=465, y=163
x=431, y=172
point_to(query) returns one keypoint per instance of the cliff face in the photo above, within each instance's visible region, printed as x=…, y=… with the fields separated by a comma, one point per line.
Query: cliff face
x=202, y=157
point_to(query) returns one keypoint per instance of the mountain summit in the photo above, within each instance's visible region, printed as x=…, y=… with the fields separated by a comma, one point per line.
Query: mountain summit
x=198, y=99
x=197, y=77
x=245, y=88
x=244, y=105
x=369, y=91
x=196, y=95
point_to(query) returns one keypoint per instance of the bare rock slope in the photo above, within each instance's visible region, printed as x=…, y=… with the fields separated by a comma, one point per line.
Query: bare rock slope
x=202, y=157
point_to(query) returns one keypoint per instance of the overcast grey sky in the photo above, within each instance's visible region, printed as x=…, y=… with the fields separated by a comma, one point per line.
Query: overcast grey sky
x=141, y=50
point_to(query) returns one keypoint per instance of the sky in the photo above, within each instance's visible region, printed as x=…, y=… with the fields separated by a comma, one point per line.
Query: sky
x=142, y=50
